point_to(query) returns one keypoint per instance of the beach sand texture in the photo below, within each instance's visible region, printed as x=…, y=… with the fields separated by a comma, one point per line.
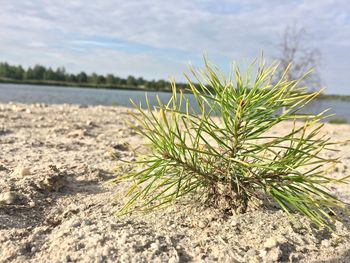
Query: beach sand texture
x=55, y=205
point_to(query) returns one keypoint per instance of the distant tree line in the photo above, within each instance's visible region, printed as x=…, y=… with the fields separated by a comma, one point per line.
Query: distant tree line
x=41, y=74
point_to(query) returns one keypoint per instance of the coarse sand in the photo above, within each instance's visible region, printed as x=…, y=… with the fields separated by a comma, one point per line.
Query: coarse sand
x=56, y=205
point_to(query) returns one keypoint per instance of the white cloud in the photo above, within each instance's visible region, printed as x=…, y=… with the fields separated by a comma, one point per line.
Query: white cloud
x=85, y=34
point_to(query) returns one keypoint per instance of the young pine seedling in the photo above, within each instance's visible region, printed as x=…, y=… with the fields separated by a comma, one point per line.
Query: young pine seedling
x=214, y=142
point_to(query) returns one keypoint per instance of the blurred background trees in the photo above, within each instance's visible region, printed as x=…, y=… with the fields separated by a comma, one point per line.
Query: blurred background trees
x=294, y=48
x=41, y=74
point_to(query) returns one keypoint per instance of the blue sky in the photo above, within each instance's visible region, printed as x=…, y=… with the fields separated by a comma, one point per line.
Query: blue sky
x=158, y=39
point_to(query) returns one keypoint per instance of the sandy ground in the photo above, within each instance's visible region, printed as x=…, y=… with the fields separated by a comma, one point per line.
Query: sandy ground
x=55, y=205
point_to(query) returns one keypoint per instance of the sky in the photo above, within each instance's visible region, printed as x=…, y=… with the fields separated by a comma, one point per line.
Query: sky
x=157, y=39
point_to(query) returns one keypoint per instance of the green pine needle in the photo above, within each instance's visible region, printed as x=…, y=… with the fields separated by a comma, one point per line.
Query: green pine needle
x=219, y=148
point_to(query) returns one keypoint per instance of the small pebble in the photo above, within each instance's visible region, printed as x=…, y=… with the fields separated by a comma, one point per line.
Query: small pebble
x=8, y=198
x=2, y=168
x=273, y=255
x=263, y=252
x=155, y=246
x=76, y=134
x=202, y=224
x=75, y=223
x=234, y=222
x=251, y=253
x=89, y=123
x=68, y=259
x=122, y=240
x=121, y=146
x=326, y=243
x=88, y=222
x=270, y=243
x=122, y=133
x=101, y=137
x=198, y=250
x=24, y=171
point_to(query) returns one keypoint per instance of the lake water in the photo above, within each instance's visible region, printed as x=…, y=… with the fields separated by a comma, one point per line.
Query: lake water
x=88, y=96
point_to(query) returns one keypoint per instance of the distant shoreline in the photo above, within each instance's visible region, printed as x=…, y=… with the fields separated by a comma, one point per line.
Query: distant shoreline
x=77, y=85
x=126, y=87
x=334, y=97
